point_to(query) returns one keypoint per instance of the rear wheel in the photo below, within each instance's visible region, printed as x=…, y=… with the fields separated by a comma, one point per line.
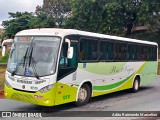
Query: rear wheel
x=83, y=95
x=136, y=84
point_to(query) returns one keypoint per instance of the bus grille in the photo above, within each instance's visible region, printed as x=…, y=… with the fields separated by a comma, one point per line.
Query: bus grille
x=24, y=98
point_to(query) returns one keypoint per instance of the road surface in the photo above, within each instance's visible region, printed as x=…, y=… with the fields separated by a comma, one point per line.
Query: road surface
x=147, y=99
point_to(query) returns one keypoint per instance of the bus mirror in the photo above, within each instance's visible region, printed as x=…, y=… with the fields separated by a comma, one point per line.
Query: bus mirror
x=70, y=52
x=69, y=42
x=70, y=49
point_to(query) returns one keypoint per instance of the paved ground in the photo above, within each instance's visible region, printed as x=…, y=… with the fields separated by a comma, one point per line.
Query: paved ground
x=147, y=99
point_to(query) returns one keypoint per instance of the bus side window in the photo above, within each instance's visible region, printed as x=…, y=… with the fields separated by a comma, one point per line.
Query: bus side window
x=132, y=52
x=66, y=62
x=106, y=50
x=67, y=65
x=88, y=49
x=63, y=56
x=154, y=52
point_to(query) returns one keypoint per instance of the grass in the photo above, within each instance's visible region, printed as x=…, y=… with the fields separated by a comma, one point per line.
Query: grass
x=5, y=58
x=3, y=68
x=158, y=68
x=2, y=75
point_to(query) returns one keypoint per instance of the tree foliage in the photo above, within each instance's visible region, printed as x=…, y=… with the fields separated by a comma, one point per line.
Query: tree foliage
x=112, y=16
x=19, y=21
x=58, y=9
x=24, y=20
x=41, y=20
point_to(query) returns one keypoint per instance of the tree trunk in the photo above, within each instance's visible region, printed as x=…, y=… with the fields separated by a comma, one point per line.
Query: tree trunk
x=129, y=28
x=130, y=24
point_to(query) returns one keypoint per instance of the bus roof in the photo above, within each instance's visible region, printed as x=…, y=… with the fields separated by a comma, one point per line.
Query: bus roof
x=64, y=32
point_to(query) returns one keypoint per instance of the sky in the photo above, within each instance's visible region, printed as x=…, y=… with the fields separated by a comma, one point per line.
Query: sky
x=16, y=5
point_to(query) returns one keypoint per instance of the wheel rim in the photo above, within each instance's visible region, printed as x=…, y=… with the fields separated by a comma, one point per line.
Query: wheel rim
x=82, y=94
x=136, y=85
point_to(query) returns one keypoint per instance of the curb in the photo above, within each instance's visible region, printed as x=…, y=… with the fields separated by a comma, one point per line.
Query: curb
x=3, y=64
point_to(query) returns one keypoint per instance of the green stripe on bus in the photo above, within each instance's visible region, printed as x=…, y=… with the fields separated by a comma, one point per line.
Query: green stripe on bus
x=107, y=87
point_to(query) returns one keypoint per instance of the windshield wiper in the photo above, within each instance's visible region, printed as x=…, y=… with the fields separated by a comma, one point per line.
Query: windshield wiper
x=11, y=53
x=20, y=62
x=25, y=57
x=32, y=62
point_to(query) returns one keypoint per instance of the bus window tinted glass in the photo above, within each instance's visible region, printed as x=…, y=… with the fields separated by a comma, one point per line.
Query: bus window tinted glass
x=132, y=52
x=106, y=50
x=143, y=52
x=154, y=53
x=88, y=49
x=121, y=51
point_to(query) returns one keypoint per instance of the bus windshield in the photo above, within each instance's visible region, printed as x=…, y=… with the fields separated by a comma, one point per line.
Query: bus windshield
x=33, y=56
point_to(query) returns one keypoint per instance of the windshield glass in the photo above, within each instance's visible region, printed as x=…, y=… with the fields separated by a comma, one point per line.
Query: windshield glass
x=31, y=56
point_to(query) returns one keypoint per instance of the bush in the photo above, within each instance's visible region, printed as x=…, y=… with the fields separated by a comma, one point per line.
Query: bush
x=5, y=58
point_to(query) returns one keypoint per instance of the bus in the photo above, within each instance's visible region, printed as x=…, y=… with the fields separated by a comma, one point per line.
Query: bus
x=51, y=66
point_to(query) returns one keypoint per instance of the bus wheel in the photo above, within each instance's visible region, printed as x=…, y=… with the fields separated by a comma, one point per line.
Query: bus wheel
x=83, y=95
x=136, y=85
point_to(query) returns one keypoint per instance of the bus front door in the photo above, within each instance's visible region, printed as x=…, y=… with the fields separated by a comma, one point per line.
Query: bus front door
x=66, y=91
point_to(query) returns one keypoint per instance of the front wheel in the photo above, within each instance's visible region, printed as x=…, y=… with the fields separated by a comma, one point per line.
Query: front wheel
x=84, y=95
x=136, y=84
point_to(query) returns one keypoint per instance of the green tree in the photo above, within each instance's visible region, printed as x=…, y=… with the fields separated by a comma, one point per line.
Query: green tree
x=18, y=21
x=41, y=19
x=112, y=16
x=58, y=9
x=24, y=20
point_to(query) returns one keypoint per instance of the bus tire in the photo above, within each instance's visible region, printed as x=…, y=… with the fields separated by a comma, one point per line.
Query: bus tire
x=136, y=85
x=84, y=95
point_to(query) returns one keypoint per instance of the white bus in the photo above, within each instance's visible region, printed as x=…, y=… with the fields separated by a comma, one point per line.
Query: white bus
x=55, y=66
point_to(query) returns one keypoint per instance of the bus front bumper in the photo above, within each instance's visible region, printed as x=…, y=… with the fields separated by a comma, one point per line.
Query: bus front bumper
x=44, y=99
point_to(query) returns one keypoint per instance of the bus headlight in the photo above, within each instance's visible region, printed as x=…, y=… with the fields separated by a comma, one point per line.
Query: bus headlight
x=46, y=88
x=8, y=85
x=11, y=78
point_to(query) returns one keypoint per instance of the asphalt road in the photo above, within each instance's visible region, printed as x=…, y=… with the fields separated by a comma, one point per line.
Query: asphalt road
x=147, y=99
